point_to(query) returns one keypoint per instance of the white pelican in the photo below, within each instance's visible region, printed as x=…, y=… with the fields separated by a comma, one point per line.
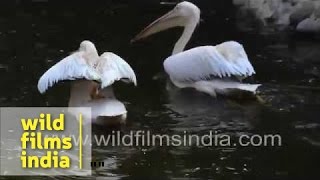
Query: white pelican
x=87, y=68
x=208, y=69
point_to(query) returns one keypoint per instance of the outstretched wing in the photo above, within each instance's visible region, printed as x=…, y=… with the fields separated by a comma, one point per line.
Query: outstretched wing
x=201, y=63
x=70, y=68
x=113, y=68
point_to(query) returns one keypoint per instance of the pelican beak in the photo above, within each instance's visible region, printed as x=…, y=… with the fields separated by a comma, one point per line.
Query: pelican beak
x=167, y=21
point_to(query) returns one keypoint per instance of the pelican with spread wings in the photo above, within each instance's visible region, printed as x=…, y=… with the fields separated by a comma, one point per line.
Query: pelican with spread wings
x=93, y=77
x=209, y=69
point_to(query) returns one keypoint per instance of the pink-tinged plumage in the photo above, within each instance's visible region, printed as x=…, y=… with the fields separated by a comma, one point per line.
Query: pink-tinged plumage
x=87, y=68
x=206, y=68
x=201, y=63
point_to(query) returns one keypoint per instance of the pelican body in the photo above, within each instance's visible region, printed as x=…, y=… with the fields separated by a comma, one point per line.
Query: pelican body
x=209, y=69
x=93, y=77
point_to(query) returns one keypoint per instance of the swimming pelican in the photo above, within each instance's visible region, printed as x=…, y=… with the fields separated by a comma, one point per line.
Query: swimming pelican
x=209, y=69
x=87, y=68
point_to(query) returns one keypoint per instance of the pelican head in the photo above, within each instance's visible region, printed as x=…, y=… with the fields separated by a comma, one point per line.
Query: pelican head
x=184, y=14
x=87, y=46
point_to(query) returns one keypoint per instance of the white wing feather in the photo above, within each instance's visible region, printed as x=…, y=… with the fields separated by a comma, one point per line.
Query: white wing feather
x=70, y=68
x=113, y=68
x=203, y=62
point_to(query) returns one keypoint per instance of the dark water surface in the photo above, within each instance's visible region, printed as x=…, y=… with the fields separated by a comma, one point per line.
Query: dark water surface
x=34, y=36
